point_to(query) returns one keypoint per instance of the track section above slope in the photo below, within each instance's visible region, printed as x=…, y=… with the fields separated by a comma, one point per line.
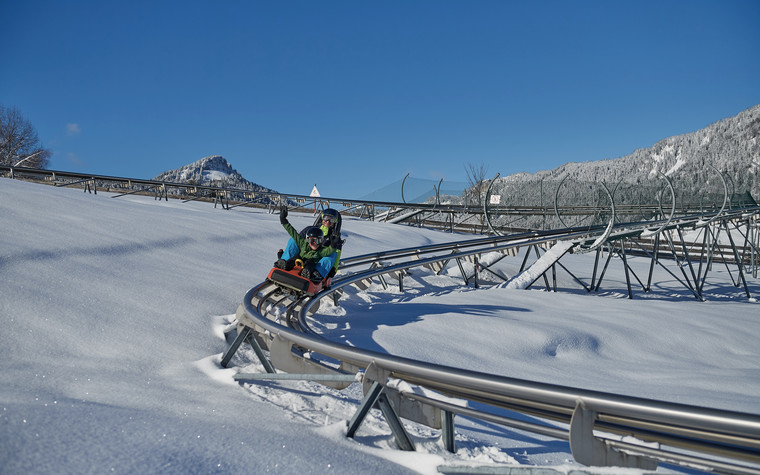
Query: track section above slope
x=515, y=208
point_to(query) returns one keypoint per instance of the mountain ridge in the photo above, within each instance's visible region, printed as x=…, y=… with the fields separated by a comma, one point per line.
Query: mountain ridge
x=730, y=145
x=213, y=170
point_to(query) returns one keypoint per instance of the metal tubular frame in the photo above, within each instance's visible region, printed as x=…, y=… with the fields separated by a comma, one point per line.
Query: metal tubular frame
x=698, y=429
x=712, y=435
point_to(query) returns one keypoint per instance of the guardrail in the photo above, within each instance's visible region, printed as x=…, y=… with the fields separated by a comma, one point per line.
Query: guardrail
x=603, y=429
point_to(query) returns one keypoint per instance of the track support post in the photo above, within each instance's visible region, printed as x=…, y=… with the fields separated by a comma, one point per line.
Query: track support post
x=239, y=339
x=447, y=432
x=376, y=397
x=246, y=334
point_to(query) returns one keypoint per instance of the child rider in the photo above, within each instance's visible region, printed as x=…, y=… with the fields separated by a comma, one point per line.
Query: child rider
x=310, y=250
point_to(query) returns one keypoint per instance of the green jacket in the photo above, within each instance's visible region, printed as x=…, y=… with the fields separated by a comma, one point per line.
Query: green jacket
x=307, y=253
x=326, y=232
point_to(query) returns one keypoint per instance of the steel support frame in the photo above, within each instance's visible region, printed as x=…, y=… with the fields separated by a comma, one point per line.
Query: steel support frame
x=553, y=269
x=132, y=192
x=739, y=262
x=89, y=185
x=656, y=260
x=448, y=433
x=160, y=192
x=591, y=437
x=221, y=198
x=246, y=334
x=375, y=397
x=695, y=279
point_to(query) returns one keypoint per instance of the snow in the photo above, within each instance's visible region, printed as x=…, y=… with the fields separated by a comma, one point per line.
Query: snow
x=215, y=175
x=113, y=316
x=679, y=163
x=524, y=279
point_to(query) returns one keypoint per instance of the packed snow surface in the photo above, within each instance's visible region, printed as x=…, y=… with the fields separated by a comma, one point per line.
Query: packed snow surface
x=113, y=312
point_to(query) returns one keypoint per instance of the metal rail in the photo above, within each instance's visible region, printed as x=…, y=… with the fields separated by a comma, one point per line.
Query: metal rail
x=64, y=178
x=602, y=428
x=478, y=219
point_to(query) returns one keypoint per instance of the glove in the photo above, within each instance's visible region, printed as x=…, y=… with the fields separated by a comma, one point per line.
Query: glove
x=283, y=215
x=335, y=241
x=311, y=273
x=315, y=276
x=286, y=265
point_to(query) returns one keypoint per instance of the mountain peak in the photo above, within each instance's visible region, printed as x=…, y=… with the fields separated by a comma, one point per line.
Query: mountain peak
x=213, y=170
x=213, y=162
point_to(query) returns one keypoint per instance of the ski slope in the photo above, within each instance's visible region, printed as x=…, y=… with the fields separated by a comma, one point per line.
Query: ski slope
x=113, y=313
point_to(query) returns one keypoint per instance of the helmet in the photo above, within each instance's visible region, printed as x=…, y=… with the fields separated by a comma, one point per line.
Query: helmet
x=314, y=235
x=330, y=215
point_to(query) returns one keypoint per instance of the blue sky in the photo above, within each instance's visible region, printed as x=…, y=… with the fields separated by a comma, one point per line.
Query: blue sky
x=353, y=95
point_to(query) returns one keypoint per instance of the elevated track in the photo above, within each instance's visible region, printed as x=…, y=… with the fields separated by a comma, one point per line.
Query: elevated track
x=602, y=429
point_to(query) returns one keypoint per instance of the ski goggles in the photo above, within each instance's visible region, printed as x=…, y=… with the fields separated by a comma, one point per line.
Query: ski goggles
x=314, y=240
x=328, y=219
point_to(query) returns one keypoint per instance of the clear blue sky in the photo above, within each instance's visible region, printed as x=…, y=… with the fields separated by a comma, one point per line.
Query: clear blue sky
x=353, y=95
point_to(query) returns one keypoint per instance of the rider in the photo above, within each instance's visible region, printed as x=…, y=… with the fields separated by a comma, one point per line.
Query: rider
x=312, y=248
x=330, y=221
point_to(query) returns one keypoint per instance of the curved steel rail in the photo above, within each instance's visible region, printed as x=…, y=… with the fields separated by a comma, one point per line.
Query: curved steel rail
x=725, y=441
x=725, y=195
x=486, y=200
x=672, y=204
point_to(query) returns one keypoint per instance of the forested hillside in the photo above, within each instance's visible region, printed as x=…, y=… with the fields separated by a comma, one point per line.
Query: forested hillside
x=691, y=161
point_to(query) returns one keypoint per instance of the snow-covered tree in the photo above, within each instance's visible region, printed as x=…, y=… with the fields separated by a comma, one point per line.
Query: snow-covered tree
x=19, y=144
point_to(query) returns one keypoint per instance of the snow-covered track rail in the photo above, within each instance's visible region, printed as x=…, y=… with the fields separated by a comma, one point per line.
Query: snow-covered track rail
x=603, y=429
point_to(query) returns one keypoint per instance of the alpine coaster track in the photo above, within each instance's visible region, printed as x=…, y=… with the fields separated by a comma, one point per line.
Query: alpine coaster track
x=603, y=429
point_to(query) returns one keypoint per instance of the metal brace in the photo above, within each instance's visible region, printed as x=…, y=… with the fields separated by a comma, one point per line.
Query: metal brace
x=376, y=396
x=246, y=334
x=448, y=433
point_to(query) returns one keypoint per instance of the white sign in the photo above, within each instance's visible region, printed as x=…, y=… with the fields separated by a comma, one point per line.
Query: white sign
x=314, y=192
x=495, y=199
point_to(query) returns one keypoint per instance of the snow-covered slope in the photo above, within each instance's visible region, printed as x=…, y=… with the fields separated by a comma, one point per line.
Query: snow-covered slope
x=112, y=313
